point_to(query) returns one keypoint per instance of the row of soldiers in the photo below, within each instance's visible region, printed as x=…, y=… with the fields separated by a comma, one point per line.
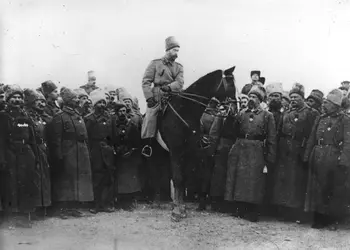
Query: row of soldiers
x=285, y=153
x=67, y=147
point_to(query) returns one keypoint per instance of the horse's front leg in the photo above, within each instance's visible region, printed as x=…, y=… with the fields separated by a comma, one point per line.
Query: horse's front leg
x=179, y=210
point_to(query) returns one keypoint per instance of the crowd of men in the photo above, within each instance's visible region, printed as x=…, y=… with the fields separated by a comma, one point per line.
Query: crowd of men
x=270, y=148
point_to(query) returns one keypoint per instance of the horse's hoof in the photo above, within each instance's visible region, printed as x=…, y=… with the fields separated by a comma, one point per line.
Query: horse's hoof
x=175, y=217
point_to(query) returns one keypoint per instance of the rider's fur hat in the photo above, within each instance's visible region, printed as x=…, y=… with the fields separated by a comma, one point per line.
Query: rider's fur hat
x=171, y=43
x=262, y=80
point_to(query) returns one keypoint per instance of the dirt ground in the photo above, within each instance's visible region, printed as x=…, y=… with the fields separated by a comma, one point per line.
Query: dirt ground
x=151, y=229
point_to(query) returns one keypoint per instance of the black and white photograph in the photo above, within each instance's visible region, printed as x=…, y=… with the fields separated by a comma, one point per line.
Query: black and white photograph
x=164, y=125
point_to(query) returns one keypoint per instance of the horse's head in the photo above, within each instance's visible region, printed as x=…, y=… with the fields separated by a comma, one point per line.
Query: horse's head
x=226, y=87
x=220, y=84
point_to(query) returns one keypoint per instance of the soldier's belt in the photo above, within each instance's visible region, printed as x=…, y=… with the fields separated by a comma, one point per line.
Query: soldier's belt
x=71, y=136
x=252, y=137
x=323, y=142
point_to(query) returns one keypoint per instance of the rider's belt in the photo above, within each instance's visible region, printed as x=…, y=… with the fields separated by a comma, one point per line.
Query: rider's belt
x=160, y=84
x=71, y=136
x=252, y=137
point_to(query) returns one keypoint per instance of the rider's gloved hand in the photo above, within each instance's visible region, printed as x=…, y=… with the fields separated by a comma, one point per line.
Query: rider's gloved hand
x=165, y=88
x=151, y=102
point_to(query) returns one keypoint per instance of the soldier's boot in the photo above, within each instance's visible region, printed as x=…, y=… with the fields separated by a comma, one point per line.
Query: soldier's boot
x=202, y=202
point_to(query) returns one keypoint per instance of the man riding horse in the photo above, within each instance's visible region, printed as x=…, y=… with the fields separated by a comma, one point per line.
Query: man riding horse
x=166, y=76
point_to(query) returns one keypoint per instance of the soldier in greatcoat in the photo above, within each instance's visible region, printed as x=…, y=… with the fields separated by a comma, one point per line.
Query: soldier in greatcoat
x=274, y=96
x=35, y=102
x=250, y=156
x=71, y=177
x=99, y=129
x=50, y=91
x=84, y=102
x=127, y=145
x=136, y=118
x=18, y=156
x=205, y=163
x=328, y=154
x=165, y=75
x=222, y=134
x=290, y=171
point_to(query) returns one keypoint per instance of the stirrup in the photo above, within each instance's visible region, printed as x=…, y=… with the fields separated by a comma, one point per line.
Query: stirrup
x=147, y=151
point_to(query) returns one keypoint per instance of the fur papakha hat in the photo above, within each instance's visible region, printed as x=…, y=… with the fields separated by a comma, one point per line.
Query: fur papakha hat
x=259, y=91
x=298, y=89
x=171, y=43
x=335, y=96
x=11, y=90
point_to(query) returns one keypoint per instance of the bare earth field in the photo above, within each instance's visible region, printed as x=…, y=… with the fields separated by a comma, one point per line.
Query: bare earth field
x=151, y=229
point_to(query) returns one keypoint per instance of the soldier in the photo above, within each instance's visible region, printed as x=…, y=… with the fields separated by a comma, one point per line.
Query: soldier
x=222, y=134
x=251, y=155
x=2, y=98
x=72, y=181
x=244, y=101
x=274, y=95
x=18, y=160
x=315, y=99
x=91, y=85
x=345, y=84
x=328, y=154
x=285, y=101
x=255, y=76
x=84, y=103
x=34, y=102
x=127, y=99
x=135, y=106
x=166, y=75
x=99, y=129
x=50, y=91
x=127, y=146
x=206, y=156
x=290, y=172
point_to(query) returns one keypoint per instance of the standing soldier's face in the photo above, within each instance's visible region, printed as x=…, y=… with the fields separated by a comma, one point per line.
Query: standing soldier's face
x=128, y=103
x=329, y=107
x=173, y=53
x=254, y=101
x=296, y=100
x=255, y=77
x=311, y=102
x=122, y=112
x=16, y=100
x=39, y=104
x=82, y=100
x=54, y=95
x=101, y=104
x=244, y=103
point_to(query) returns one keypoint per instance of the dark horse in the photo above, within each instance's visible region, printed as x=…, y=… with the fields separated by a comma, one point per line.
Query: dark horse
x=180, y=124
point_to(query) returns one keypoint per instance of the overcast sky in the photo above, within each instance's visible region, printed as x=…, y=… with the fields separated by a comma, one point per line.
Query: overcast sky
x=288, y=40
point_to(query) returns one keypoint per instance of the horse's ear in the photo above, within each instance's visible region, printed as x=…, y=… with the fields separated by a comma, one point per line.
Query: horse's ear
x=229, y=71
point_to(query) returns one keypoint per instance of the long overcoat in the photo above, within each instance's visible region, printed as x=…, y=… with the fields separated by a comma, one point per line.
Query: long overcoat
x=160, y=72
x=99, y=129
x=71, y=177
x=254, y=150
x=328, y=152
x=18, y=160
x=42, y=177
x=290, y=172
x=127, y=147
x=223, y=134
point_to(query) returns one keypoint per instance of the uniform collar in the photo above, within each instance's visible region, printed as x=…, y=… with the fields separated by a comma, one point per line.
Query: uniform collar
x=255, y=111
x=304, y=106
x=70, y=110
x=166, y=61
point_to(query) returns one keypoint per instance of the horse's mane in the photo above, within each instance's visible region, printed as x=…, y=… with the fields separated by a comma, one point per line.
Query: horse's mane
x=203, y=79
